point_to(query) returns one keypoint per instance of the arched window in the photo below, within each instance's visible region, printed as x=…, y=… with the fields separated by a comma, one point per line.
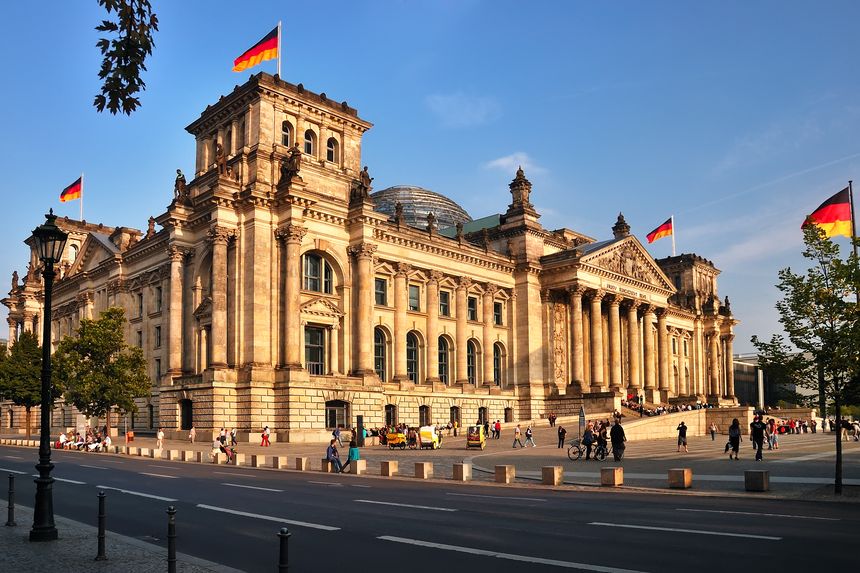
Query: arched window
x=73, y=252
x=497, y=364
x=310, y=142
x=471, y=361
x=286, y=133
x=336, y=414
x=379, y=343
x=331, y=150
x=443, y=359
x=390, y=415
x=412, y=357
x=424, y=416
x=483, y=415
x=317, y=274
x=455, y=415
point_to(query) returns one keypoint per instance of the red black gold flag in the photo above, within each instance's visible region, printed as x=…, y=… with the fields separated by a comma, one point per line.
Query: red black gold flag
x=265, y=49
x=663, y=230
x=833, y=216
x=73, y=191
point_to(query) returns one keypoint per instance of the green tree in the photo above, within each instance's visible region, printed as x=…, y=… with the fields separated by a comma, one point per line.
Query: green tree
x=821, y=317
x=98, y=371
x=124, y=54
x=21, y=374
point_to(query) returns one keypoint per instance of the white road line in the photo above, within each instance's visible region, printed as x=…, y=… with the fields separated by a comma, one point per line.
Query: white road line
x=112, y=462
x=12, y=471
x=235, y=474
x=92, y=467
x=496, y=497
x=509, y=556
x=254, y=487
x=137, y=493
x=696, y=531
x=164, y=467
x=269, y=518
x=404, y=505
x=158, y=475
x=359, y=485
x=14, y=457
x=66, y=480
x=759, y=514
x=328, y=483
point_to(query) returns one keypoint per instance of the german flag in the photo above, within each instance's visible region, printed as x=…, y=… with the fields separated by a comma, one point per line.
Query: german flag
x=833, y=216
x=73, y=191
x=663, y=230
x=265, y=49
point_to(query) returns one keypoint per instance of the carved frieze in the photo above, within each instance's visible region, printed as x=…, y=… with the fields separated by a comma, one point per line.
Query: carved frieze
x=629, y=262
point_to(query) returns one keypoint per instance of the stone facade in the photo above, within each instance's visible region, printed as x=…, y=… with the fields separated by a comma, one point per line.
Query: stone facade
x=275, y=294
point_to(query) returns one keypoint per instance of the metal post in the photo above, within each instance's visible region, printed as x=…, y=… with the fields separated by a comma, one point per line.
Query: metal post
x=284, y=558
x=10, y=520
x=171, y=539
x=101, y=556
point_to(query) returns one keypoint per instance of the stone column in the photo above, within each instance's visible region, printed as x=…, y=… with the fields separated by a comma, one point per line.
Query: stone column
x=334, y=346
x=648, y=348
x=363, y=289
x=433, y=326
x=596, y=342
x=683, y=381
x=292, y=236
x=633, y=347
x=174, y=311
x=697, y=371
x=614, y=343
x=576, y=351
x=730, y=366
x=663, y=353
x=714, y=363
x=487, y=343
x=400, y=303
x=219, y=237
x=461, y=293
x=13, y=330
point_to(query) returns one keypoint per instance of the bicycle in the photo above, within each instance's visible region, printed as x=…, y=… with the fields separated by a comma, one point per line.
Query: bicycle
x=575, y=450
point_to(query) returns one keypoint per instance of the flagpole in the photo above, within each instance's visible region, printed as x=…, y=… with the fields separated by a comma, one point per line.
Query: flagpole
x=672, y=218
x=853, y=227
x=82, y=196
x=279, y=48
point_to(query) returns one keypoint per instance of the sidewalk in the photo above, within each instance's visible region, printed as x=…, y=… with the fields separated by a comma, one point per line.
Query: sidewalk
x=75, y=550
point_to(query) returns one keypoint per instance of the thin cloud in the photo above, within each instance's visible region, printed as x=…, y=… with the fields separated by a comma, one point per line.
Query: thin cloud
x=777, y=139
x=761, y=246
x=458, y=110
x=510, y=163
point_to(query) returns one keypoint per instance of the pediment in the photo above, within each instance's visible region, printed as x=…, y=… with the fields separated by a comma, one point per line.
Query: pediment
x=322, y=308
x=204, y=309
x=629, y=259
x=92, y=254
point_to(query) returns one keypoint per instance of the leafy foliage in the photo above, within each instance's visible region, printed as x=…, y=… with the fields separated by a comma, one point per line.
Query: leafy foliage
x=21, y=374
x=97, y=370
x=125, y=54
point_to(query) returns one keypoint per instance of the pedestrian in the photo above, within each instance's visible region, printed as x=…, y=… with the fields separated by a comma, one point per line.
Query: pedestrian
x=222, y=437
x=617, y=437
x=332, y=456
x=588, y=440
x=682, y=437
x=713, y=431
x=336, y=435
x=192, y=434
x=353, y=455
x=486, y=427
x=233, y=441
x=530, y=437
x=734, y=439
x=159, y=439
x=517, y=434
x=561, y=434
x=498, y=429
x=265, y=436
x=757, y=432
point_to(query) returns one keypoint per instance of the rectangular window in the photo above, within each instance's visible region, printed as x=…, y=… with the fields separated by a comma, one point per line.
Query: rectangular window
x=157, y=337
x=140, y=339
x=685, y=348
x=473, y=308
x=140, y=304
x=157, y=369
x=414, y=292
x=158, y=293
x=315, y=350
x=313, y=273
x=444, y=303
x=497, y=313
x=381, y=292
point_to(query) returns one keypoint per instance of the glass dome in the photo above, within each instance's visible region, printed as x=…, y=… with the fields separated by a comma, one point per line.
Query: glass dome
x=417, y=203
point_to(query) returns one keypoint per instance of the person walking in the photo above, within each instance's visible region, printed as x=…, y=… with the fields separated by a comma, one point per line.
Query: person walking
x=233, y=441
x=617, y=437
x=530, y=437
x=757, y=432
x=353, y=455
x=734, y=439
x=682, y=437
x=713, y=431
x=517, y=435
x=498, y=429
x=332, y=456
x=561, y=434
x=192, y=434
x=222, y=437
x=588, y=440
x=265, y=437
x=159, y=439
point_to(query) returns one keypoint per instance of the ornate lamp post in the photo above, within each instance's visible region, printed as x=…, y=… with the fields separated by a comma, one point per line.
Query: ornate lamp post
x=50, y=241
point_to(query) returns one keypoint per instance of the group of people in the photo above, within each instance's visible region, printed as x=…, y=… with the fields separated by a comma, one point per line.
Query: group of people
x=518, y=434
x=90, y=440
x=600, y=434
x=333, y=456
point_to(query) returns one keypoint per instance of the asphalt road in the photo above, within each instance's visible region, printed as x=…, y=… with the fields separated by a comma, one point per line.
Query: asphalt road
x=232, y=515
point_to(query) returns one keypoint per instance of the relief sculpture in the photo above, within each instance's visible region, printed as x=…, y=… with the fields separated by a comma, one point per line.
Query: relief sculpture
x=559, y=343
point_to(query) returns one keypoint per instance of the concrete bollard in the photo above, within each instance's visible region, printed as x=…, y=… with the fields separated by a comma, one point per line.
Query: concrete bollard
x=156, y=454
x=144, y=452
x=34, y=443
x=611, y=477
x=133, y=451
x=505, y=474
x=680, y=478
x=552, y=475
x=279, y=462
x=326, y=466
x=757, y=480
x=463, y=472
x=173, y=455
x=220, y=458
x=258, y=461
x=424, y=470
x=239, y=460
x=358, y=467
x=188, y=456
x=202, y=457
x=388, y=468
x=302, y=464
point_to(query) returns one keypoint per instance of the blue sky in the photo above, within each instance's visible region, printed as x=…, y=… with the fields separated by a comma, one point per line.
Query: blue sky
x=737, y=117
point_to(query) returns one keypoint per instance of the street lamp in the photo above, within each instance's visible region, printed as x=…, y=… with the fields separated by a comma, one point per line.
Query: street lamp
x=50, y=241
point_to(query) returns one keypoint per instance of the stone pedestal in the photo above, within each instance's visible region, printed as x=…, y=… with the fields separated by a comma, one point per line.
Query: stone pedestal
x=302, y=464
x=173, y=455
x=463, y=472
x=201, y=457
x=326, y=466
x=358, y=467
x=505, y=474
x=219, y=458
x=279, y=462
x=239, y=460
x=681, y=478
x=424, y=470
x=258, y=461
x=552, y=475
x=189, y=456
x=757, y=480
x=388, y=468
x=144, y=452
x=611, y=477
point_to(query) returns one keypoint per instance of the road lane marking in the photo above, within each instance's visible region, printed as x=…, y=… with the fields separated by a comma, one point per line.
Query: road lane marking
x=137, y=493
x=696, y=531
x=76, y=482
x=12, y=471
x=164, y=467
x=359, y=485
x=759, y=514
x=235, y=474
x=254, y=487
x=404, y=505
x=158, y=475
x=269, y=518
x=14, y=457
x=328, y=483
x=509, y=556
x=112, y=462
x=92, y=467
x=496, y=496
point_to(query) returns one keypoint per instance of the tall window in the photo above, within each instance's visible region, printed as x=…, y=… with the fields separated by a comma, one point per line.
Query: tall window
x=497, y=364
x=412, y=357
x=454, y=415
x=157, y=337
x=73, y=252
x=140, y=339
x=483, y=415
x=336, y=414
x=228, y=142
x=685, y=348
x=286, y=133
x=379, y=353
x=472, y=303
x=158, y=297
x=317, y=274
x=381, y=291
x=674, y=346
x=331, y=150
x=158, y=369
x=315, y=350
x=471, y=361
x=444, y=303
x=443, y=359
x=310, y=142
x=424, y=416
x=414, y=293
x=390, y=415
x=497, y=313
x=140, y=304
